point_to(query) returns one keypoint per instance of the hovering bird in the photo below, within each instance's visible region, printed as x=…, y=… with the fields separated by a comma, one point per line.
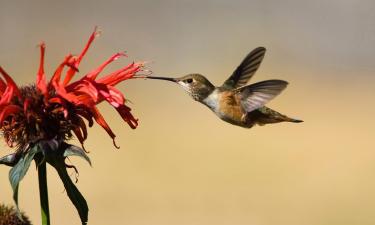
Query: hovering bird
x=234, y=101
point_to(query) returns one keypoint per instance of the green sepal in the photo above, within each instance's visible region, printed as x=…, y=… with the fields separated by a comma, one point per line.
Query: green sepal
x=73, y=150
x=10, y=160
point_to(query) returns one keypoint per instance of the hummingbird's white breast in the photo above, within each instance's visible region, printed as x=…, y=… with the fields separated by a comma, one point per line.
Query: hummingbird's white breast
x=212, y=101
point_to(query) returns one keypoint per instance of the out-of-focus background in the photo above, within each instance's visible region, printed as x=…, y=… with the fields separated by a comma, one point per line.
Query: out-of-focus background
x=182, y=165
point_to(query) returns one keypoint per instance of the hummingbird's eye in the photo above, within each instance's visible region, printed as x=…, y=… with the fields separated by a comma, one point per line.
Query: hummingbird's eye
x=189, y=80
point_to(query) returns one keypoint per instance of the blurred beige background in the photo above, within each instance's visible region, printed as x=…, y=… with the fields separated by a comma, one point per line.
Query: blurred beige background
x=182, y=165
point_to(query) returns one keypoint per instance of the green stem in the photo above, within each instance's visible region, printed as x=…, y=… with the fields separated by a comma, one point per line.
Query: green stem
x=43, y=193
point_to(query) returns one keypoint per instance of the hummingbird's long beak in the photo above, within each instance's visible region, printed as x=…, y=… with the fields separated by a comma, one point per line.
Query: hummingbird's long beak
x=161, y=78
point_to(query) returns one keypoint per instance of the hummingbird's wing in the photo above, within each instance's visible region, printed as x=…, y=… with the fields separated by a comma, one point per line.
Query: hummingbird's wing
x=246, y=69
x=257, y=95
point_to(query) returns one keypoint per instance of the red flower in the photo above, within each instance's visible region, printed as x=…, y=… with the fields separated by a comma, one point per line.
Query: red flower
x=57, y=108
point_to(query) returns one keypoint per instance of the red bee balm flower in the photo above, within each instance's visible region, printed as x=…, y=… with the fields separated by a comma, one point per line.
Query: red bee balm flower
x=38, y=119
x=57, y=108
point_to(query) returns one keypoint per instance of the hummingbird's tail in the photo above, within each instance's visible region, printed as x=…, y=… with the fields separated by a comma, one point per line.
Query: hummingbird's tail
x=265, y=115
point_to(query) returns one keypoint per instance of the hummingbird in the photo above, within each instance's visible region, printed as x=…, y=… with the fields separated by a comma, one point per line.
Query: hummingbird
x=234, y=101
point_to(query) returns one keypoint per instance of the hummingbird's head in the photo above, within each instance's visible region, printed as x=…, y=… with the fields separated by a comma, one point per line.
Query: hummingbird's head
x=196, y=85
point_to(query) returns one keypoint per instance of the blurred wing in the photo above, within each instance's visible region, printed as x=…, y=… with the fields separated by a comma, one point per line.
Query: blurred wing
x=246, y=69
x=257, y=95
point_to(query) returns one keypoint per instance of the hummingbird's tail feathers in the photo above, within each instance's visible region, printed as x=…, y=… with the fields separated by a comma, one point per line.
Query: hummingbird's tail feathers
x=295, y=120
x=265, y=115
x=256, y=95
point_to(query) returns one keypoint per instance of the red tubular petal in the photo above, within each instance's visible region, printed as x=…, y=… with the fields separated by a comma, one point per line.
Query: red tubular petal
x=57, y=100
x=6, y=97
x=41, y=77
x=10, y=81
x=87, y=46
x=72, y=98
x=83, y=99
x=80, y=131
x=55, y=80
x=60, y=89
x=87, y=115
x=121, y=74
x=106, y=95
x=11, y=89
x=87, y=87
x=116, y=96
x=3, y=85
x=26, y=105
x=60, y=101
x=7, y=111
x=101, y=121
x=71, y=71
x=82, y=126
x=124, y=112
x=93, y=74
x=117, y=100
x=78, y=134
x=105, y=92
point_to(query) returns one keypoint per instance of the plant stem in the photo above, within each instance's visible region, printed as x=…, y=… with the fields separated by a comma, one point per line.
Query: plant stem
x=43, y=193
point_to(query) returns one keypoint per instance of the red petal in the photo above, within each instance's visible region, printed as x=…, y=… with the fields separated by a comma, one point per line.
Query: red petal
x=124, y=112
x=93, y=74
x=117, y=100
x=71, y=71
x=83, y=99
x=112, y=96
x=86, y=114
x=116, y=96
x=41, y=78
x=121, y=74
x=60, y=89
x=101, y=121
x=3, y=85
x=8, y=110
x=55, y=80
x=78, y=134
x=10, y=91
x=26, y=105
x=82, y=126
x=80, y=131
x=87, y=87
x=61, y=102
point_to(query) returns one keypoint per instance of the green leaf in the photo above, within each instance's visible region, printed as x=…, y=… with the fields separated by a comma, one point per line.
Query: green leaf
x=9, y=160
x=74, y=195
x=73, y=150
x=19, y=170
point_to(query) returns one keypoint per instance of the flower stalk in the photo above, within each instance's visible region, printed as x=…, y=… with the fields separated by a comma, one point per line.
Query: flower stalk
x=43, y=193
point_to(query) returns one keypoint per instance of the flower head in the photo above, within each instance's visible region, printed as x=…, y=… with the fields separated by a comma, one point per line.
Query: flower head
x=10, y=216
x=58, y=108
x=38, y=119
